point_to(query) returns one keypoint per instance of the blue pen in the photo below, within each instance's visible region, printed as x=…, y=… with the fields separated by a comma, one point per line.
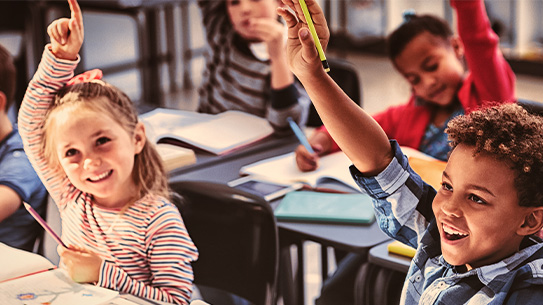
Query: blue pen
x=300, y=135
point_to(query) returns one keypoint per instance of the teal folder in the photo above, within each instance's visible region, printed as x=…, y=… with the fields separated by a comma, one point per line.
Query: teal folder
x=326, y=207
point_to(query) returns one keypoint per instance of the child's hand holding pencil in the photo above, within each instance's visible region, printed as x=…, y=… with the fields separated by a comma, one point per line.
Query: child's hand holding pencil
x=305, y=57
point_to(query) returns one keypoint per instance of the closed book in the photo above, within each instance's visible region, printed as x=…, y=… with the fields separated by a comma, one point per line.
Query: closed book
x=174, y=156
x=326, y=207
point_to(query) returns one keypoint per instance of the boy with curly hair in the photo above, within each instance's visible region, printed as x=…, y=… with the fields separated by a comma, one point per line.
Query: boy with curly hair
x=475, y=235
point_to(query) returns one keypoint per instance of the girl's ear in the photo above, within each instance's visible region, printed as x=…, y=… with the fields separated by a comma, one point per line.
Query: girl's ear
x=458, y=47
x=533, y=222
x=139, y=138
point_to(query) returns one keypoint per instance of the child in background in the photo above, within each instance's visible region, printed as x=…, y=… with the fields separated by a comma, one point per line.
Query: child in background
x=85, y=142
x=433, y=61
x=18, y=180
x=246, y=65
x=475, y=235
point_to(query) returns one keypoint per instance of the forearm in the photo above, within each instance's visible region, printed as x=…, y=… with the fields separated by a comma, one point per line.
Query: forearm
x=9, y=202
x=281, y=76
x=355, y=131
x=51, y=75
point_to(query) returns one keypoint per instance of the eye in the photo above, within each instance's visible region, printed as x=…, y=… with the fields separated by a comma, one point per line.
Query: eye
x=233, y=2
x=476, y=199
x=413, y=80
x=71, y=152
x=446, y=187
x=102, y=141
x=432, y=67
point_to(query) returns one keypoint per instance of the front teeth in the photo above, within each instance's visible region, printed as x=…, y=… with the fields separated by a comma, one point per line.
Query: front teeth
x=452, y=231
x=99, y=177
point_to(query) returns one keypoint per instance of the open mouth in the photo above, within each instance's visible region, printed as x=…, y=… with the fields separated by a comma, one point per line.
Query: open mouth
x=451, y=233
x=100, y=177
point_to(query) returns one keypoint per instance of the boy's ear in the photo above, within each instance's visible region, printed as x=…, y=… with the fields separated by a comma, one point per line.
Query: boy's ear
x=457, y=46
x=533, y=222
x=139, y=137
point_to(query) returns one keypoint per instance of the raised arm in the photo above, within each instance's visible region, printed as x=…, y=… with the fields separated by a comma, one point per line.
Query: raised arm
x=58, y=62
x=493, y=76
x=355, y=131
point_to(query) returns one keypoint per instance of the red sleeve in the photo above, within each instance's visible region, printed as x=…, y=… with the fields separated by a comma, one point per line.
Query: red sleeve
x=493, y=77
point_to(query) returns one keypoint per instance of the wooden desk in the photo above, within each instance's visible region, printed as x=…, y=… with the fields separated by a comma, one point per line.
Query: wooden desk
x=352, y=238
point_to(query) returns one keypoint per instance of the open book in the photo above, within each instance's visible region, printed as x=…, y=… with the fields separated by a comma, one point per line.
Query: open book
x=335, y=166
x=29, y=278
x=218, y=134
x=283, y=169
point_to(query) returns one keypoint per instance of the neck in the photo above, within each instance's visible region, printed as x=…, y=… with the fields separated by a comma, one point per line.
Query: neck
x=5, y=126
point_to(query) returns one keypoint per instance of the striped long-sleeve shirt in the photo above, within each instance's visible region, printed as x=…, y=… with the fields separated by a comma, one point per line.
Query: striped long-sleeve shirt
x=403, y=207
x=234, y=79
x=146, y=249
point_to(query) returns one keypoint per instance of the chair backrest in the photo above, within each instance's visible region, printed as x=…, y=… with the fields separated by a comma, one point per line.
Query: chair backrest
x=236, y=236
x=531, y=106
x=346, y=76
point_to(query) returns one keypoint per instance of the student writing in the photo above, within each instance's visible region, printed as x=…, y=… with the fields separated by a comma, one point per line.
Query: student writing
x=18, y=180
x=88, y=147
x=245, y=63
x=475, y=235
x=449, y=75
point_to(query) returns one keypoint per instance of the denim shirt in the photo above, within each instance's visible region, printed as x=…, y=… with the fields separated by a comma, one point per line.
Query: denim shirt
x=403, y=207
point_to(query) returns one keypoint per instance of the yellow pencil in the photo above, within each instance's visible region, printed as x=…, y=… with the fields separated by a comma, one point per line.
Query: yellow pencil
x=315, y=36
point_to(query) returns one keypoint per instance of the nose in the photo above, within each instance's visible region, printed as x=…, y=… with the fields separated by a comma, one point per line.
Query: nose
x=91, y=161
x=451, y=207
x=245, y=6
x=428, y=81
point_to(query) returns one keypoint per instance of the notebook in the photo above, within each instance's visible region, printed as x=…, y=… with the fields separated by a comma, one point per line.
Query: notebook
x=326, y=207
x=283, y=169
x=218, y=134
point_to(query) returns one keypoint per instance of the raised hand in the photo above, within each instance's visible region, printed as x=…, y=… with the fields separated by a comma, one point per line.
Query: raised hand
x=67, y=34
x=302, y=54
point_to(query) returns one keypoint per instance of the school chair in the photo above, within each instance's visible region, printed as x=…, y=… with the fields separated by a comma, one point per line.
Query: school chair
x=346, y=76
x=237, y=240
x=531, y=106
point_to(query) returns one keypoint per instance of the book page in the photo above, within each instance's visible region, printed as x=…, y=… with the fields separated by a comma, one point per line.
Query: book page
x=283, y=169
x=218, y=134
x=52, y=287
x=15, y=262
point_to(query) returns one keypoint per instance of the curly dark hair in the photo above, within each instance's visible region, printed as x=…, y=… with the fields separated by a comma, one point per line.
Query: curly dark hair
x=511, y=134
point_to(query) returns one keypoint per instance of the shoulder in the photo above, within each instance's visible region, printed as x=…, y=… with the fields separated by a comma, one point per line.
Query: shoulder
x=151, y=208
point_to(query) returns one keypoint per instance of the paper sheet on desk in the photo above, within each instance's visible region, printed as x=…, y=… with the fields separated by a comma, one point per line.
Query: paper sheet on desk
x=52, y=287
x=15, y=262
x=283, y=169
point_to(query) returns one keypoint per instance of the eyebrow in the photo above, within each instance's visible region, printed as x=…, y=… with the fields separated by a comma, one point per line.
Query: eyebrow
x=96, y=134
x=473, y=186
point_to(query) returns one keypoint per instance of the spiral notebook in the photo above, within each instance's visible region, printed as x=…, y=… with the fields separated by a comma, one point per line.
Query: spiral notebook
x=326, y=207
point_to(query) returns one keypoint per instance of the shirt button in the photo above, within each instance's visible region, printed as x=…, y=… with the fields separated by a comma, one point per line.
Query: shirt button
x=418, y=278
x=441, y=285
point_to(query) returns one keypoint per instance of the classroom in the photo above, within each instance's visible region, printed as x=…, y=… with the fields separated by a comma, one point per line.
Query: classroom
x=257, y=228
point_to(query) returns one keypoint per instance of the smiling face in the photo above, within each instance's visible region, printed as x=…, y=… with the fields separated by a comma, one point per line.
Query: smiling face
x=97, y=154
x=433, y=68
x=241, y=12
x=477, y=210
